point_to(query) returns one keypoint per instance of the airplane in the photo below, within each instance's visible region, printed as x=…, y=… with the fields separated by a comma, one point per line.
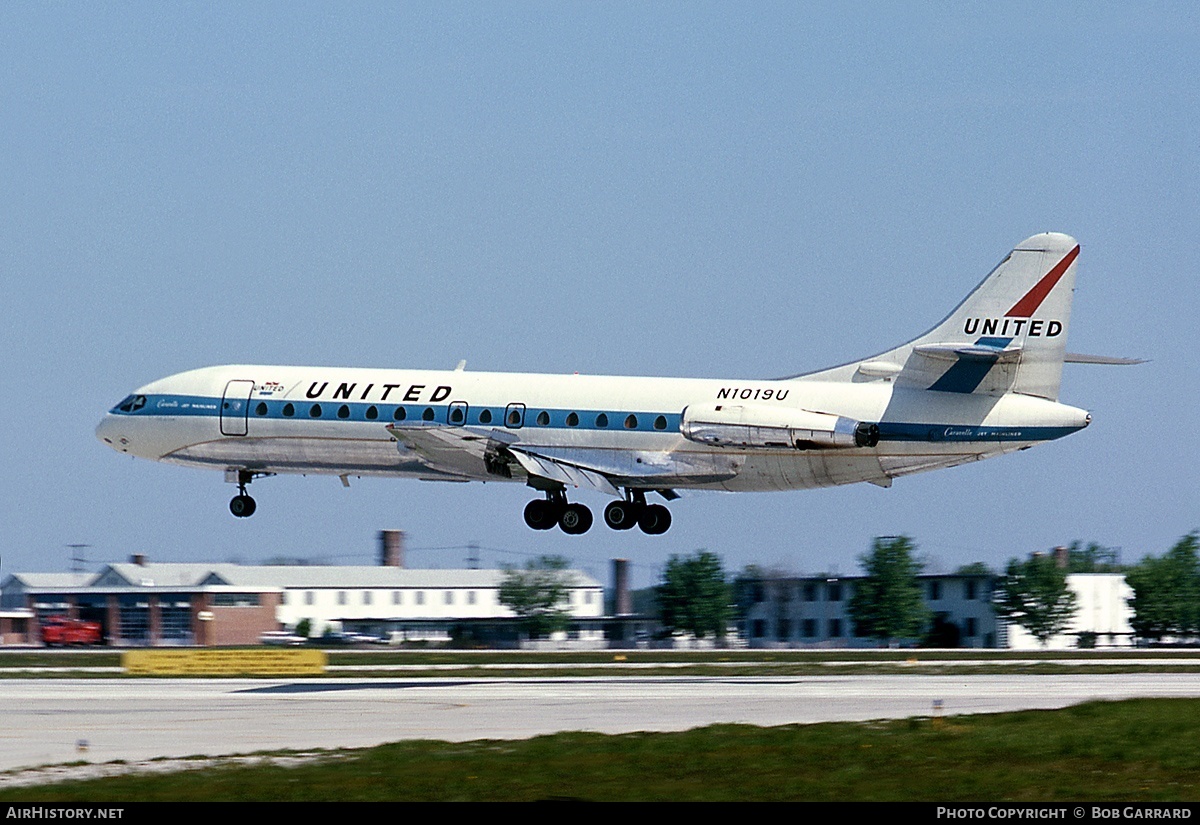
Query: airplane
x=982, y=382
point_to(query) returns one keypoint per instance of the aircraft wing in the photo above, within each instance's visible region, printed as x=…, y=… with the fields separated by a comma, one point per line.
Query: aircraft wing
x=659, y=470
x=470, y=452
x=569, y=475
x=456, y=450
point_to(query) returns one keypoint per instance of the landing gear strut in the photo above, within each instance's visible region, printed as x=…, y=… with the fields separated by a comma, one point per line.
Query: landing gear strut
x=243, y=505
x=542, y=514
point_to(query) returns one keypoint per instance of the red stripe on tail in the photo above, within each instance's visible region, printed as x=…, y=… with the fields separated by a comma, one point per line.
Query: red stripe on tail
x=1028, y=305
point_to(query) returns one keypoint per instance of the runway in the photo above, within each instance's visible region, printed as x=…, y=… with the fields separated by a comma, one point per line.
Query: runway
x=138, y=719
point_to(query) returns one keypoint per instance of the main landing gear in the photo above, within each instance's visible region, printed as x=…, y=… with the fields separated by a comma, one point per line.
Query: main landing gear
x=243, y=505
x=573, y=519
x=653, y=519
x=542, y=514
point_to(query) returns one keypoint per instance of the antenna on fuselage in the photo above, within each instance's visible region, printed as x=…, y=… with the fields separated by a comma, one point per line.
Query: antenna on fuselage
x=462, y=365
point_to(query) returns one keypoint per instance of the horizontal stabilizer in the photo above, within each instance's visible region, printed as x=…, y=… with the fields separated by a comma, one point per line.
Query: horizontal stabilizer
x=1105, y=360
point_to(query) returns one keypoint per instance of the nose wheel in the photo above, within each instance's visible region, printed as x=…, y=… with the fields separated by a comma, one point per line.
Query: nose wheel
x=243, y=505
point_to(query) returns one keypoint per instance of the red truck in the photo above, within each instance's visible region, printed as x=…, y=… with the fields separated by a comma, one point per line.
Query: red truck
x=60, y=630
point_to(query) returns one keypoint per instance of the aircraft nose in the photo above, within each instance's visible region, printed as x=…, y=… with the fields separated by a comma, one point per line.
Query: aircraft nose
x=108, y=432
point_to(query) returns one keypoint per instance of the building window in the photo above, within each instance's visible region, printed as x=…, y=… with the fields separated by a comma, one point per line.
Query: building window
x=810, y=628
x=835, y=592
x=397, y=597
x=470, y=597
x=971, y=589
x=366, y=597
x=810, y=592
x=420, y=597
x=283, y=597
x=449, y=597
x=308, y=597
x=341, y=597
x=235, y=600
x=970, y=626
x=935, y=591
x=760, y=628
x=835, y=628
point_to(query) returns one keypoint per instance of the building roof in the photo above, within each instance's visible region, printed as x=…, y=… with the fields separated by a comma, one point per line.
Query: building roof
x=189, y=575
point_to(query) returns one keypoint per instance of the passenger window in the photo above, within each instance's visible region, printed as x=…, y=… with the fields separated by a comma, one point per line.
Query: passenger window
x=573, y=420
x=428, y=414
x=400, y=414
x=543, y=419
x=631, y=422
x=289, y=409
x=660, y=423
x=343, y=411
x=485, y=417
x=602, y=420
x=261, y=409
x=372, y=413
x=456, y=415
x=315, y=411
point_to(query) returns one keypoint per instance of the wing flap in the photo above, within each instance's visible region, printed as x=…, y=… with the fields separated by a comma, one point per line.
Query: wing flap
x=566, y=474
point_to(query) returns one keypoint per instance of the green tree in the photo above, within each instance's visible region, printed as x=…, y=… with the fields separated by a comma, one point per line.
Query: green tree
x=538, y=594
x=1095, y=558
x=1166, y=592
x=694, y=596
x=304, y=628
x=1034, y=594
x=887, y=602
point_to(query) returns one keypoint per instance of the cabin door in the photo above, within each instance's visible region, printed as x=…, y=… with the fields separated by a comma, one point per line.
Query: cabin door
x=235, y=407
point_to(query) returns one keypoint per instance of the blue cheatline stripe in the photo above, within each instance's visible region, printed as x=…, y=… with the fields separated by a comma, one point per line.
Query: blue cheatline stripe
x=332, y=411
x=189, y=405
x=894, y=431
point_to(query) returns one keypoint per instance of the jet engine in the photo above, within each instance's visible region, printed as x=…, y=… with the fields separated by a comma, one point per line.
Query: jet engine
x=751, y=425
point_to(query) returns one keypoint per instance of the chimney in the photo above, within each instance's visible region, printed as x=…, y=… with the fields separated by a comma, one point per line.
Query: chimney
x=622, y=600
x=1061, y=555
x=139, y=559
x=391, y=548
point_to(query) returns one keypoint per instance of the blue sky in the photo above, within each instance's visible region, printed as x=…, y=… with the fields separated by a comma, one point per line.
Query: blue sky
x=692, y=189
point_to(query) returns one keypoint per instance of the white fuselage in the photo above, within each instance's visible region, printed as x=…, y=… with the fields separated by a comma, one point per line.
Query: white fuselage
x=272, y=419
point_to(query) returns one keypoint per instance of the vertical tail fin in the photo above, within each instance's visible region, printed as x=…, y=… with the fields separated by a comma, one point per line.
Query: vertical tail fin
x=1008, y=335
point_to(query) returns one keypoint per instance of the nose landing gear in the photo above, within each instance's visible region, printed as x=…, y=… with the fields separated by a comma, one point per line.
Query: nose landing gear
x=242, y=505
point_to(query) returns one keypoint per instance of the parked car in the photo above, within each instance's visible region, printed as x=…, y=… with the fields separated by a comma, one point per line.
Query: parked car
x=61, y=630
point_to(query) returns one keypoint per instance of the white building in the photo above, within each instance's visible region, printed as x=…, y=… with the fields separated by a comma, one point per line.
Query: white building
x=1102, y=616
x=814, y=611
x=153, y=603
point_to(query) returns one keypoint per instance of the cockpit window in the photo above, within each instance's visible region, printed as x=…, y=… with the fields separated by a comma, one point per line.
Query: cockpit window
x=131, y=403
